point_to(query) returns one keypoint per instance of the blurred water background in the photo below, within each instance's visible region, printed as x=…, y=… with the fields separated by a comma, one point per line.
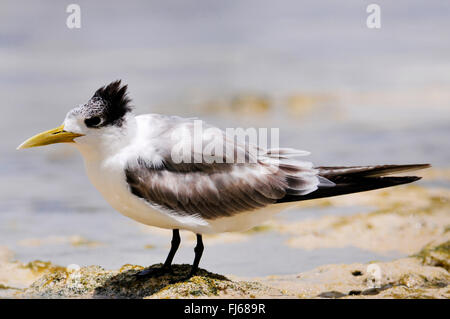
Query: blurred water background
x=349, y=94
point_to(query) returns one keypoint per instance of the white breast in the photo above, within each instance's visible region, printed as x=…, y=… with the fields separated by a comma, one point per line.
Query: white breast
x=109, y=178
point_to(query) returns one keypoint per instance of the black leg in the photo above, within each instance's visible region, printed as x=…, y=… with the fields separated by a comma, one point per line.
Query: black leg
x=175, y=243
x=198, y=255
x=167, y=267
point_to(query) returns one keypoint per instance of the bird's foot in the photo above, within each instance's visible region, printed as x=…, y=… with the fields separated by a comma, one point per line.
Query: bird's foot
x=154, y=272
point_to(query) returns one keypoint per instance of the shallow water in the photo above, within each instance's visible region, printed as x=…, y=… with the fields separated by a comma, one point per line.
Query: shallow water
x=378, y=96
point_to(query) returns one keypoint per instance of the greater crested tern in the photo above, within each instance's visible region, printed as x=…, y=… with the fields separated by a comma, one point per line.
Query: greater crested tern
x=129, y=160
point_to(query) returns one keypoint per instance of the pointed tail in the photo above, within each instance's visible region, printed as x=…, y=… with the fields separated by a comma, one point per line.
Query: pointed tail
x=357, y=179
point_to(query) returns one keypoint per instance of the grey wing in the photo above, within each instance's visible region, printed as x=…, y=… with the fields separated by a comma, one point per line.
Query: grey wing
x=217, y=190
x=218, y=186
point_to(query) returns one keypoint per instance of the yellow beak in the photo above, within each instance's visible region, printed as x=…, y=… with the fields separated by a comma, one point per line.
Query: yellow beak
x=56, y=135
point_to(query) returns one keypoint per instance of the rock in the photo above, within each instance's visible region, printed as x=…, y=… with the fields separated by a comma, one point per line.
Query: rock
x=436, y=256
x=96, y=282
x=332, y=294
x=402, y=278
x=16, y=276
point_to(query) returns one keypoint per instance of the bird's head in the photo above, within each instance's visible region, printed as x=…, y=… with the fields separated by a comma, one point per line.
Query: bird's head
x=106, y=109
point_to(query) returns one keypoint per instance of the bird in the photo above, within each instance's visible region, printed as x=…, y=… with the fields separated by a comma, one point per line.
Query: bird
x=134, y=162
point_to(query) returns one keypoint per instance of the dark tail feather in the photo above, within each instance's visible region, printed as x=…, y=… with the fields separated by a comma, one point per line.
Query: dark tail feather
x=358, y=185
x=358, y=179
x=367, y=171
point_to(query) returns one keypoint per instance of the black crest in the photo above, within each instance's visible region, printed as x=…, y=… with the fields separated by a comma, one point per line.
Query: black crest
x=112, y=102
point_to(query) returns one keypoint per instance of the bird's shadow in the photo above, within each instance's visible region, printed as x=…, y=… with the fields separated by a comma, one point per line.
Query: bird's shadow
x=127, y=285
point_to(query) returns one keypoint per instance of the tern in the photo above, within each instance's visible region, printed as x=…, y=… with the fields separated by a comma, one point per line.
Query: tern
x=130, y=160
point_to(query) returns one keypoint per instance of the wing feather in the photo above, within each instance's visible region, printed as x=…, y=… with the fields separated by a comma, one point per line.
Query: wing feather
x=218, y=187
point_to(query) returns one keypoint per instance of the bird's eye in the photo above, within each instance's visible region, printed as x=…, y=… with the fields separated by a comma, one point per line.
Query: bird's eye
x=93, y=121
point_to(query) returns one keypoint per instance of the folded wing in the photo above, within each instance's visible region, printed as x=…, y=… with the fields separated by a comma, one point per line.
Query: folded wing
x=218, y=186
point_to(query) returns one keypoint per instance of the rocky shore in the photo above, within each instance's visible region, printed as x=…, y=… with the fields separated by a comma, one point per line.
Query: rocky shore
x=411, y=220
x=424, y=275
